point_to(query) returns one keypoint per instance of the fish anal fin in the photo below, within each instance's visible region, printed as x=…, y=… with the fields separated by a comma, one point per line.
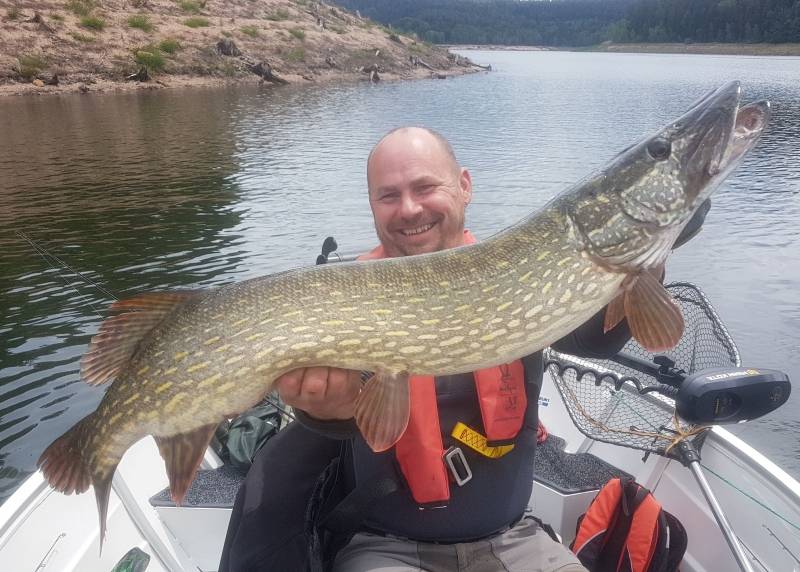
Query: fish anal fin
x=112, y=347
x=382, y=410
x=655, y=319
x=182, y=455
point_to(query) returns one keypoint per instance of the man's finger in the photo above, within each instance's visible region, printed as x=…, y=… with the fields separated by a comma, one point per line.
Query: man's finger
x=290, y=384
x=342, y=385
x=315, y=382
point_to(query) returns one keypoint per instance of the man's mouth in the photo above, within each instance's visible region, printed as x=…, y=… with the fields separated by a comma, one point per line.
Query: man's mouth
x=417, y=230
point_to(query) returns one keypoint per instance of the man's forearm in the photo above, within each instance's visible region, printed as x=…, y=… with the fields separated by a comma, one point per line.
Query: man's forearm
x=589, y=340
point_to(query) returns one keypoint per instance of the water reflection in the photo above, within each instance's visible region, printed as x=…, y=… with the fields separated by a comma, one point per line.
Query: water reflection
x=197, y=188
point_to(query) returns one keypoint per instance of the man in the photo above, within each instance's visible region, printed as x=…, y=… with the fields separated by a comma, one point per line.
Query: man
x=418, y=194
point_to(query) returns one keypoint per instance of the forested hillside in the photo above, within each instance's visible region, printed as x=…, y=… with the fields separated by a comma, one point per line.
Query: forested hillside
x=587, y=22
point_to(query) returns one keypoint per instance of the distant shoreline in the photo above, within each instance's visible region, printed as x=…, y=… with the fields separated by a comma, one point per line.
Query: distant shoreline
x=672, y=48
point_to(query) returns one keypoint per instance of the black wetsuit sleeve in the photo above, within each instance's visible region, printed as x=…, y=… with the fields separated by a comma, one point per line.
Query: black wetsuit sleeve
x=333, y=429
x=588, y=340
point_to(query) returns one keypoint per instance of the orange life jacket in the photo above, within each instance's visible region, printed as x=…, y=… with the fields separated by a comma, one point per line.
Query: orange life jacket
x=420, y=451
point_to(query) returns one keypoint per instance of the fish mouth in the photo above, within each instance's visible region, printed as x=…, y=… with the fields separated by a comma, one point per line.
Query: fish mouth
x=719, y=134
x=707, y=130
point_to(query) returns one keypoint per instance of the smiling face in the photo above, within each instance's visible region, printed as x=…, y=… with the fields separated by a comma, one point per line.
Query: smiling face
x=418, y=193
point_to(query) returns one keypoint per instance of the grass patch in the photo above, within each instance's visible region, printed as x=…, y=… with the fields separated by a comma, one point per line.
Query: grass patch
x=93, y=23
x=298, y=33
x=279, y=15
x=226, y=33
x=57, y=17
x=251, y=31
x=191, y=6
x=81, y=7
x=228, y=69
x=297, y=54
x=150, y=57
x=30, y=65
x=142, y=22
x=169, y=46
x=196, y=22
x=78, y=37
x=337, y=29
x=13, y=13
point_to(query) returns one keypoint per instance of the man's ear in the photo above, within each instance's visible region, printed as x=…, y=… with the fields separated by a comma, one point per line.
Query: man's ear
x=465, y=182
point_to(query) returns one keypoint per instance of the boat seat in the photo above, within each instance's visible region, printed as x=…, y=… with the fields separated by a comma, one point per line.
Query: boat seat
x=570, y=473
x=211, y=488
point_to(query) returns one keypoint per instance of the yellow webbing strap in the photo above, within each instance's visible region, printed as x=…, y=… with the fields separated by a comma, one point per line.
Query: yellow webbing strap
x=477, y=442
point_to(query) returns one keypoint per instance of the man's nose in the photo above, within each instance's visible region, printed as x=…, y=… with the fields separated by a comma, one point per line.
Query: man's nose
x=409, y=206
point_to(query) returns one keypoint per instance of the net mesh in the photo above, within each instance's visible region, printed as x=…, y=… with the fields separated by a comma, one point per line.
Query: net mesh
x=603, y=398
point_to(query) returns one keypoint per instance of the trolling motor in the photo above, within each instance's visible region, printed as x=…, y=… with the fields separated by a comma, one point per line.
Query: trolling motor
x=715, y=396
x=702, y=374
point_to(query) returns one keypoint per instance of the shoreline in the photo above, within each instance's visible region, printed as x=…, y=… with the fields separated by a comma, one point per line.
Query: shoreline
x=96, y=84
x=790, y=50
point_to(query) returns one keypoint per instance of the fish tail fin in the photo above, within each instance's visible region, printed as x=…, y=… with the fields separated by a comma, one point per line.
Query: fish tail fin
x=65, y=465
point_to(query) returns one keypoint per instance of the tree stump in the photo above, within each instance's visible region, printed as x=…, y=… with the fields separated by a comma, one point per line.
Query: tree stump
x=140, y=75
x=264, y=70
x=226, y=47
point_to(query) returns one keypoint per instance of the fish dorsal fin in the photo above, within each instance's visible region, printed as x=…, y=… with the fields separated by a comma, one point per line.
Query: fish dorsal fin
x=119, y=335
x=182, y=454
x=382, y=410
x=655, y=319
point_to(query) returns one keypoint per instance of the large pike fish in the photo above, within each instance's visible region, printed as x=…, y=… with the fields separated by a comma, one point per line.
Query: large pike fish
x=183, y=361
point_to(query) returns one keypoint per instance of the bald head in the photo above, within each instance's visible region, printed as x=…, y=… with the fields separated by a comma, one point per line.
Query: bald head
x=421, y=138
x=417, y=191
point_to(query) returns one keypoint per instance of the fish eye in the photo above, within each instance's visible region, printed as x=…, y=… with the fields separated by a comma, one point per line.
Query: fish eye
x=659, y=149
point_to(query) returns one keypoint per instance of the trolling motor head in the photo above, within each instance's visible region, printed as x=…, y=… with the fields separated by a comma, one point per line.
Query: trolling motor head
x=731, y=395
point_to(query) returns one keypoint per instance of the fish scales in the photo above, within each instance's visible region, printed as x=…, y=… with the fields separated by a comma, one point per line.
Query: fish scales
x=465, y=323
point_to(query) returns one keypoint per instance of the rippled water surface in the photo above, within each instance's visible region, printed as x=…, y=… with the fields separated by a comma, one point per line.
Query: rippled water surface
x=196, y=188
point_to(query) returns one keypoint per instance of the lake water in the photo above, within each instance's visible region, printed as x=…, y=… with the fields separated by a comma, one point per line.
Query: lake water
x=176, y=189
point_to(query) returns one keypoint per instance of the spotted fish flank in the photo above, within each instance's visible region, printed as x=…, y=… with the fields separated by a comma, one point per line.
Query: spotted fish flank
x=181, y=362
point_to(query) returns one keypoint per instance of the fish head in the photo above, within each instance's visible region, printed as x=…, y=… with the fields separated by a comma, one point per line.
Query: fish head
x=628, y=216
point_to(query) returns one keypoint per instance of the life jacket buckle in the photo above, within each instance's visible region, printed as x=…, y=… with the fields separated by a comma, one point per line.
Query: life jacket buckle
x=457, y=463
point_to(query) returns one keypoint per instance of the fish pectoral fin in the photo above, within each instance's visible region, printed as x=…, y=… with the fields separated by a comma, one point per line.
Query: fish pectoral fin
x=182, y=454
x=119, y=336
x=615, y=312
x=654, y=317
x=382, y=410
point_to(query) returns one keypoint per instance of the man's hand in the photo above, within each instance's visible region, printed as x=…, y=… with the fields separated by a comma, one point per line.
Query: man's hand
x=324, y=393
x=694, y=225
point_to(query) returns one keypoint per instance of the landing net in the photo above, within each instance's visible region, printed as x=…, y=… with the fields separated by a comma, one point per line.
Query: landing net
x=603, y=398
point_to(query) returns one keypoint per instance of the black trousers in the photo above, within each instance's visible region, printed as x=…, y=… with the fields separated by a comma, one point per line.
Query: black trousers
x=272, y=527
